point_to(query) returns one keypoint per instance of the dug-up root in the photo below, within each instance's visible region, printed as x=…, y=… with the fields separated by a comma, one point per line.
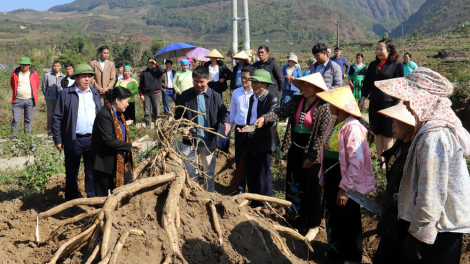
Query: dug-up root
x=166, y=172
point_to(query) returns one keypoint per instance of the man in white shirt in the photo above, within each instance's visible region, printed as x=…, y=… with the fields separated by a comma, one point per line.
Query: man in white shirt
x=238, y=114
x=167, y=86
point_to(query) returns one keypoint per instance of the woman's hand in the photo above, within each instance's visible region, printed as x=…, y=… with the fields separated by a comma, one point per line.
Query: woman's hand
x=362, y=104
x=129, y=122
x=137, y=145
x=342, y=198
x=259, y=122
x=307, y=164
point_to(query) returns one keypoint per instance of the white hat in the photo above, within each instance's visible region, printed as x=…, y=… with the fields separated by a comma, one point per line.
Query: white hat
x=400, y=113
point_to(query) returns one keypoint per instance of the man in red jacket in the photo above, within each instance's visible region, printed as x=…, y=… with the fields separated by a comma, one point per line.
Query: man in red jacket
x=24, y=83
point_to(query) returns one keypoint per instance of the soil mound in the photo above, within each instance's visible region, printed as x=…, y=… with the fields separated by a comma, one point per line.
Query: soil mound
x=451, y=54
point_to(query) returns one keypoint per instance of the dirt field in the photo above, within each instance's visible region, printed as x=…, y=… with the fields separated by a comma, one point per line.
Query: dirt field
x=242, y=241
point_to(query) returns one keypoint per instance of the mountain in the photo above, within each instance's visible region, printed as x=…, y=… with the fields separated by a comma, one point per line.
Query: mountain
x=436, y=16
x=297, y=20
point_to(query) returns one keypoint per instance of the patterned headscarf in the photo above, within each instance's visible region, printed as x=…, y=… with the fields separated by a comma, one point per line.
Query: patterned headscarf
x=427, y=92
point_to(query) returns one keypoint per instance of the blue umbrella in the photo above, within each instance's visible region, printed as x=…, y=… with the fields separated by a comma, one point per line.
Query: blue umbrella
x=174, y=50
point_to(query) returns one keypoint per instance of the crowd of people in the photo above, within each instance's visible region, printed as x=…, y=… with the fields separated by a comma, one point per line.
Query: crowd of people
x=420, y=143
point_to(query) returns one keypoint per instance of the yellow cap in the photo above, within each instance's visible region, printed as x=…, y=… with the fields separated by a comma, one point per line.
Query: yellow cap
x=343, y=99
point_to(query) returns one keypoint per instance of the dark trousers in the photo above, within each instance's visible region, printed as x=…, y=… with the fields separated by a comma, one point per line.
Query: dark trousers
x=446, y=249
x=129, y=114
x=73, y=154
x=166, y=99
x=258, y=172
x=151, y=104
x=343, y=223
x=104, y=182
x=240, y=145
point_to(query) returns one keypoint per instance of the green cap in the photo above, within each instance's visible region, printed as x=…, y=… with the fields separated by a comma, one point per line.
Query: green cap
x=82, y=69
x=25, y=60
x=261, y=76
x=310, y=60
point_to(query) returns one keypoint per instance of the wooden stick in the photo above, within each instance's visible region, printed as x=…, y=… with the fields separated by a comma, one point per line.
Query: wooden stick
x=293, y=233
x=93, y=255
x=262, y=198
x=245, y=202
x=79, y=201
x=215, y=218
x=283, y=246
x=66, y=244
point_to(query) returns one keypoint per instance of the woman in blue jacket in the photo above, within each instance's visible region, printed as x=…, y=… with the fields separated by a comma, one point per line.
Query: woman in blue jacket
x=291, y=71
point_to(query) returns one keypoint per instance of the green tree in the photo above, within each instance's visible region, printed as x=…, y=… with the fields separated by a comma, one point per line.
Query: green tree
x=71, y=56
x=147, y=54
x=385, y=35
x=117, y=52
x=78, y=43
x=157, y=45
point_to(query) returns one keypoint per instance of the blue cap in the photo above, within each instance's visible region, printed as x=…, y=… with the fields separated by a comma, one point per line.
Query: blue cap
x=184, y=62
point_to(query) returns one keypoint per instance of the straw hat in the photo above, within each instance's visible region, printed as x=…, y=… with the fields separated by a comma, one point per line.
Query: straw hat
x=241, y=55
x=315, y=79
x=214, y=54
x=400, y=113
x=343, y=99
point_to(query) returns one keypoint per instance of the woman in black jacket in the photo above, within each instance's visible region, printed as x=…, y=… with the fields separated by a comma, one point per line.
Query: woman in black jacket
x=270, y=65
x=384, y=67
x=113, y=160
x=218, y=72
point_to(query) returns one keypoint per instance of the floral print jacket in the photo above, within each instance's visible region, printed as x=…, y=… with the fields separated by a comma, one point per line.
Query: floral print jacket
x=321, y=119
x=434, y=191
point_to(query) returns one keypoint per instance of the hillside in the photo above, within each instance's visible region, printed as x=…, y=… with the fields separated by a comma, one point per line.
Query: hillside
x=298, y=20
x=436, y=16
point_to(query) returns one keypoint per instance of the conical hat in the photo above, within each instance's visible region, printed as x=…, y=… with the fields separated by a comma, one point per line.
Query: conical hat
x=214, y=54
x=315, y=79
x=400, y=113
x=241, y=55
x=343, y=99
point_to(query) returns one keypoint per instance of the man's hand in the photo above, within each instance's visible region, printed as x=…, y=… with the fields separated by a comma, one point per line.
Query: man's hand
x=259, y=122
x=129, y=122
x=103, y=90
x=142, y=98
x=59, y=147
x=227, y=128
x=307, y=164
x=185, y=134
x=342, y=198
x=179, y=93
x=221, y=80
x=344, y=76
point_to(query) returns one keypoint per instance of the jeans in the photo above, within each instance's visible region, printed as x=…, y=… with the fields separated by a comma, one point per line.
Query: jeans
x=17, y=108
x=286, y=96
x=73, y=155
x=170, y=92
x=152, y=99
x=208, y=163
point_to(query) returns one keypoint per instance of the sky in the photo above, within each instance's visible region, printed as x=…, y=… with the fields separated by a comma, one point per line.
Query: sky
x=42, y=5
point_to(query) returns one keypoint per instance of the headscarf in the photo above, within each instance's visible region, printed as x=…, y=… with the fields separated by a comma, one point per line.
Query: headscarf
x=427, y=92
x=184, y=62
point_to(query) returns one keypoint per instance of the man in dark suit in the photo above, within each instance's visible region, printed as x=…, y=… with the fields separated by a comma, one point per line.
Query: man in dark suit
x=167, y=86
x=72, y=125
x=261, y=143
x=197, y=142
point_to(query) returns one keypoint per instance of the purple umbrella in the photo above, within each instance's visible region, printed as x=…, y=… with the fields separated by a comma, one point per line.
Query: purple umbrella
x=198, y=54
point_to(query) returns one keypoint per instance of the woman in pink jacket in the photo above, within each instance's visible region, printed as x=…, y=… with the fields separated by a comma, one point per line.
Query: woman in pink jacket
x=346, y=165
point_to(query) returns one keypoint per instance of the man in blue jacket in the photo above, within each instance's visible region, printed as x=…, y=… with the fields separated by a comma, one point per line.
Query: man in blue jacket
x=341, y=61
x=72, y=124
x=197, y=142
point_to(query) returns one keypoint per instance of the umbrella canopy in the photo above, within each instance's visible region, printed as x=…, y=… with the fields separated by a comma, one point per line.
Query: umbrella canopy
x=174, y=50
x=198, y=54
